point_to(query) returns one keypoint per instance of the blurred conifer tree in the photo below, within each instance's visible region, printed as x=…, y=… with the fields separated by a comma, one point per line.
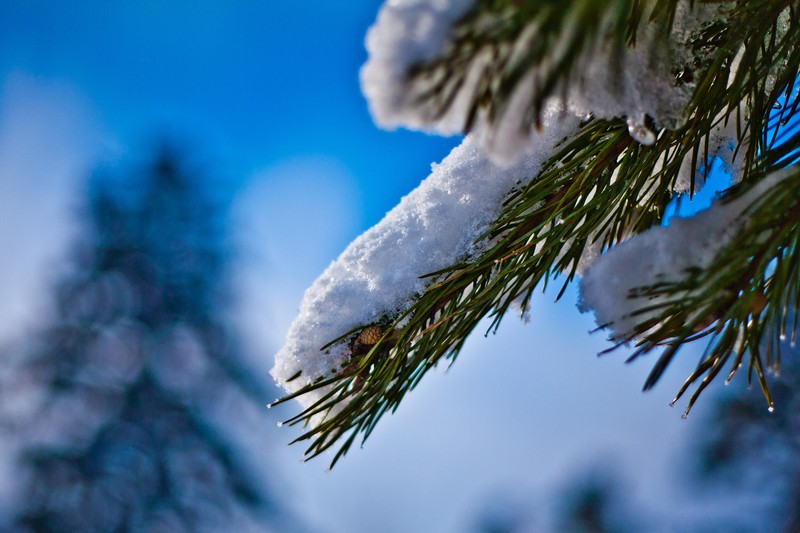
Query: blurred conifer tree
x=127, y=385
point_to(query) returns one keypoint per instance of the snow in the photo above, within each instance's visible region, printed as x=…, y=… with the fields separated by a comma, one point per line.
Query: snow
x=408, y=32
x=411, y=32
x=378, y=275
x=662, y=254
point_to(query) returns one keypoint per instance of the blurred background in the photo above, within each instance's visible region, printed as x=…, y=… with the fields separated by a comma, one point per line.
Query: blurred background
x=172, y=176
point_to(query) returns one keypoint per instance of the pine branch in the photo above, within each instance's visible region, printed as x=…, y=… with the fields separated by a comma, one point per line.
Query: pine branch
x=600, y=188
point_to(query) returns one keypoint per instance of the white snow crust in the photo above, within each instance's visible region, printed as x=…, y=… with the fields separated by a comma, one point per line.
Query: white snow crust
x=662, y=254
x=378, y=275
x=410, y=32
x=407, y=33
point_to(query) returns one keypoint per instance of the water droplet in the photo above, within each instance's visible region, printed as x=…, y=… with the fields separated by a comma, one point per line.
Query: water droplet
x=783, y=336
x=771, y=408
x=280, y=424
x=684, y=416
x=777, y=105
x=784, y=122
x=641, y=133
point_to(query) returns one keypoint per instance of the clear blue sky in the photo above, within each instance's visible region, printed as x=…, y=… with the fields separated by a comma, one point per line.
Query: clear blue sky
x=254, y=81
x=270, y=91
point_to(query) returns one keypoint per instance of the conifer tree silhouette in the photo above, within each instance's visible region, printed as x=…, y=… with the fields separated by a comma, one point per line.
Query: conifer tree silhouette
x=130, y=369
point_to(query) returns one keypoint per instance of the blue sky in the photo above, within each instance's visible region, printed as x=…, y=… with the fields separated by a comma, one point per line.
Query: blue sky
x=255, y=82
x=269, y=92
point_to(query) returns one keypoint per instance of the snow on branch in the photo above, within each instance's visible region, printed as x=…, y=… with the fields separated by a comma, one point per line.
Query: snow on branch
x=612, y=286
x=379, y=275
x=459, y=65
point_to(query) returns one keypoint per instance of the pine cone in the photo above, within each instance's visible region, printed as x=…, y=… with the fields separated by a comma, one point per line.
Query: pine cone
x=370, y=335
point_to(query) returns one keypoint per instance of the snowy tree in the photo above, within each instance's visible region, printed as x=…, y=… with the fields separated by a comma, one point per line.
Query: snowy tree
x=585, y=121
x=118, y=401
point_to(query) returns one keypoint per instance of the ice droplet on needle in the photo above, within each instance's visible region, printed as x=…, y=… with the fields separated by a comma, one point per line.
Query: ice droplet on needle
x=641, y=133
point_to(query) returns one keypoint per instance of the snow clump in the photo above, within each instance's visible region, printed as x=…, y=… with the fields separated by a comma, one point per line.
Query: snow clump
x=662, y=254
x=412, y=33
x=378, y=275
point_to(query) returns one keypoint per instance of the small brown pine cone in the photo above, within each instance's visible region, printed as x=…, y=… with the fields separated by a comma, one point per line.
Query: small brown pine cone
x=370, y=335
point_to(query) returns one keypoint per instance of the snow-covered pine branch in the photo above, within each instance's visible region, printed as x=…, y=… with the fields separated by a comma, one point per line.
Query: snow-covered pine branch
x=378, y=277
x=587, y=118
